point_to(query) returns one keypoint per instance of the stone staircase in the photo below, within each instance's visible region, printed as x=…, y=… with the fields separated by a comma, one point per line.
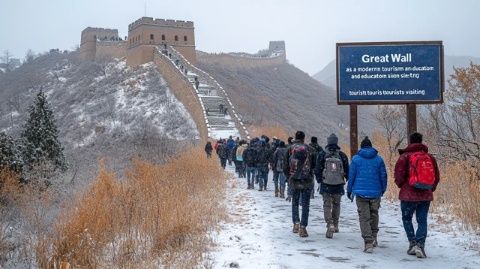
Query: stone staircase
x=220, y=116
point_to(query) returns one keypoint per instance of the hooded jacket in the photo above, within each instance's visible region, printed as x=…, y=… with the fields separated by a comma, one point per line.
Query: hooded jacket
x=367, y=175
x=407, y=192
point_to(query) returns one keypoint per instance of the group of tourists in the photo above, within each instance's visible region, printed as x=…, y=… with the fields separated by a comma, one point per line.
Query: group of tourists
x=296, y=166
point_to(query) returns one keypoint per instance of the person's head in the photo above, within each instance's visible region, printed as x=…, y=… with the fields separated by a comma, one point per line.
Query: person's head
x=230, y=137
x=416, y=138
x=300, y=136
x=366, y=143
x=332, y=140
x=289, y=140
x=282, y=144
x=314, y=140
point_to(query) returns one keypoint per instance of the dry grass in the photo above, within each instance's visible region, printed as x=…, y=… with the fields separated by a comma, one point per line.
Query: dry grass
x=270, y=131
x=158, y=214
x=457, y=196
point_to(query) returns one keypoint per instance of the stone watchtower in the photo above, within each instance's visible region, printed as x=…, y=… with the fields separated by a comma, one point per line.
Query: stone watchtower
x=147, y=33
x=93, y=41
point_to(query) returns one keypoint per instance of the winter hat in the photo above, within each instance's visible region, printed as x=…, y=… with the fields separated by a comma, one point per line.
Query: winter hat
x=332, y=140
x=314, y=140
x=282, y=144
x=299, y=135
x=289, y=140
x=366, y=143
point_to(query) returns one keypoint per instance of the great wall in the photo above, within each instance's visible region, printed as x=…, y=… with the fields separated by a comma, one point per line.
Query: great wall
x=170, y=44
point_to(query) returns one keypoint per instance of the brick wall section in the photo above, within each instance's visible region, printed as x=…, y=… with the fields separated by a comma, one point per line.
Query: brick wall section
x=183, y=91
x=240, y=62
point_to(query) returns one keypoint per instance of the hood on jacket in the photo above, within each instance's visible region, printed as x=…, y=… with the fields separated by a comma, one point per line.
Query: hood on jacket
x=368, y=152
x=332, y=147
x=414, y=148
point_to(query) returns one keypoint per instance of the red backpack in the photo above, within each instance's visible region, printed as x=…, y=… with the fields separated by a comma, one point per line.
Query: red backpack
x=421, y=171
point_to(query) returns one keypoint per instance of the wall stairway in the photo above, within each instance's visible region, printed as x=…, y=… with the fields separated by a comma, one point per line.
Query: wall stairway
x=219, y=114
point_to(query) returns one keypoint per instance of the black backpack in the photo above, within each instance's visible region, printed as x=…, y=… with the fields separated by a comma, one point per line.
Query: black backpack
x=262, y=155
x=249, y=156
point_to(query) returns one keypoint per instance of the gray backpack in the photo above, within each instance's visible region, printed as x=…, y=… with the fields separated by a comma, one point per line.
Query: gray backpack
x=333, y=173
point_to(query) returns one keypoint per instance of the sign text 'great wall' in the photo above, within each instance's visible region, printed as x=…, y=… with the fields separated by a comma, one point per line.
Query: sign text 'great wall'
x=390, y=73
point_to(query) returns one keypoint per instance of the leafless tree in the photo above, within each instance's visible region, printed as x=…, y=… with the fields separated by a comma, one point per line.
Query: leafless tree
x=7, y=60
x=392, y=120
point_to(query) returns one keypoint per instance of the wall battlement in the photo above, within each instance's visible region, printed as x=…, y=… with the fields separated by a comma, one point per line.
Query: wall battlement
x=160, y=22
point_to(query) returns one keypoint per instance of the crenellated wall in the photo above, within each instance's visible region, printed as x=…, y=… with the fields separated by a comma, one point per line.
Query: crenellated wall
x=240, y=61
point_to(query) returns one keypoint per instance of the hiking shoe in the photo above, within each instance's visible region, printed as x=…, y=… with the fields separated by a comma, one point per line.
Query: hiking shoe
x=296, y=227
x=336, y=228
x=265, y=188
x=276, y=193
x=375, y=243
x=261, y=189
x=330, y=231
x=411, y=248
x=368, y=248
x=420, y=252
x=303, y=232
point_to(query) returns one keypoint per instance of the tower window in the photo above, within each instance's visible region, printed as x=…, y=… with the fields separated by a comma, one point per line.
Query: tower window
x=152, y=37
x=185, y=38
x=163, y=37
x=176, y=38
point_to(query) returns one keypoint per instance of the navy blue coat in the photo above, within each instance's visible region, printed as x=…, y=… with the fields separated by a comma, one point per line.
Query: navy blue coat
x=367, y=175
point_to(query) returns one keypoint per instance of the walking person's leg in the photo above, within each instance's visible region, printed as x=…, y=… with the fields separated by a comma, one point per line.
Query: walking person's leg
x=327, y=214
x=408, y=208
x=421, y=215
x=282, y=180
x=363, y=208
x=336, y=202
x=374, y=219
x=295, y=210
x=265, y=177
x=305, y=212
x=276, y=174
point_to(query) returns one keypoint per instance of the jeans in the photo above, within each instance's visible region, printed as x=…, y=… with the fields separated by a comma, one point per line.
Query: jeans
x=279, y=178
x=262, y=176
x=251, y=171
x=331, y=208
x=240, y=169
x=305, y=194
x=368, y=217
x=421, y=212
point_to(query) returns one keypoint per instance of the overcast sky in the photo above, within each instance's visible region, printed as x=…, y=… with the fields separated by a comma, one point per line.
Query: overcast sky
x=310, y=28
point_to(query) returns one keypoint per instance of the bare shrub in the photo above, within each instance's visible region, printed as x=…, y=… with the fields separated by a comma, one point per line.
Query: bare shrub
x=157, y=214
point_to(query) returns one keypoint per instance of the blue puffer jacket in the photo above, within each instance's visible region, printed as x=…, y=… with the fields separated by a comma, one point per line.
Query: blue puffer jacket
x=367, y=177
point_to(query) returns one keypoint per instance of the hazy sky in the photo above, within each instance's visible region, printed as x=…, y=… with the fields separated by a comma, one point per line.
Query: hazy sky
x=310, y=27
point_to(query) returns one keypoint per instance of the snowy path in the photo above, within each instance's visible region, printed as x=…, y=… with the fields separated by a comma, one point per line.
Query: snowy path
x=260, y=237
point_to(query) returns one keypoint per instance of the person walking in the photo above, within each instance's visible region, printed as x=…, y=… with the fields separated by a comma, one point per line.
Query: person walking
x=209, y=149
x=242, y=145
x=231, y=146
x=417, y=176
x=222, y=152
x=262, y=165
x=317, y=149
x=367, y=182
x=197, y=83
x=250, y=160
x=279, y=159
x=298, y=167
x=331, y=171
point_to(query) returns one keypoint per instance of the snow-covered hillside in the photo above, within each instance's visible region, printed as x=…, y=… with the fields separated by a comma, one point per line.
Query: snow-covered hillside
x=103, y=110
x=260, y=236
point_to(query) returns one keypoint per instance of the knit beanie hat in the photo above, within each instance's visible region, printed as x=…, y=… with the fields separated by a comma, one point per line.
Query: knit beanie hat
x=366, y=143
x=332, y=140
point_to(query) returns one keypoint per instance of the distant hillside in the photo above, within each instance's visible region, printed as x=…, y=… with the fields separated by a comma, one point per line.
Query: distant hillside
x=327, y=75
x=282, y=94
x=102, y=109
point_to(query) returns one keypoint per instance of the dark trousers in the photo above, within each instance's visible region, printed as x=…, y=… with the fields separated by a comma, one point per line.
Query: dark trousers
x=420, y=209
x=368, y=216
x=331, y=208
x=262, y=176
x=223, y=162
x=305, y=200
